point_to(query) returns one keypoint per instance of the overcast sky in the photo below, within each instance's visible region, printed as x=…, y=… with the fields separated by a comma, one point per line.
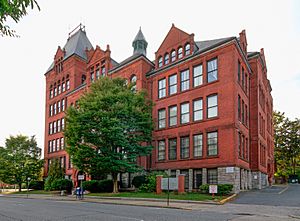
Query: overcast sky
x=273, y=25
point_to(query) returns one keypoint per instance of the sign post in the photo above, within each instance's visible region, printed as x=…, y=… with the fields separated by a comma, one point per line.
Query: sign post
x=81, y=178
x=213, y=189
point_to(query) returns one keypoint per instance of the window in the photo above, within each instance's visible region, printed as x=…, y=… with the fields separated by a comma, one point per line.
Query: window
x=239, y=107
x=186, y=178
x=133, y=82
x=68, y=84
x=173, y=149
x=162, y=88
x=197, y=75
x=54, y=127
x=50, y=128
x=187, y=49
x=246, y=115
x=185, y=80
x=54, y=108
x=50, y=110
x=239, y=71
x=212, y=143
x=212, y=70
x=184, y=147
x=51, y=92
x=184, y=113
x=58, y=89
x=172, y=116
x=54, y=145
x=160, y=63
x=57, y=145
x=63, y=88
x=161, y=118
x=179, y=52
x=62, y=143
x=62, y=123
x=212, y=176
x=49, y=146
x=58, y=106
x=92, y=76
x=166, y=59
x=97, y=71
x=173, y=56
x=197, y=178
x=246, y=83
x=198, y=110
x=58, y=125
x=212, y=106
x=243, y=78
x=198, y=144
x=161, y=150
x=55, y=91
x=172, y=84
x=243, y=112
x=63, y=105
x=240, y=144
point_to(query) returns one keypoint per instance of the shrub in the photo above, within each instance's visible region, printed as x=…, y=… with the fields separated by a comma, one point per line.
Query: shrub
x=59, y=184
x=150, y=185
x=223, y=189
x=139, y=180
x=36, y=185
x=98, y=186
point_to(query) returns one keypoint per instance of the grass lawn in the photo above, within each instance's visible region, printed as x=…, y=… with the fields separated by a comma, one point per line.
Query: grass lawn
x=187, y=196
x=35, y=192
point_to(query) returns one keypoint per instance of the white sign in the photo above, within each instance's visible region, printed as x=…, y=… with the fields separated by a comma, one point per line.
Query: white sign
x=80, y=177
x=229, y=169
x=213, y=189
x=173, y=183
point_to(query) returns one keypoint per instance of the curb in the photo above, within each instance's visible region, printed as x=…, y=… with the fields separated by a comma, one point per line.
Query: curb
x=230, y=198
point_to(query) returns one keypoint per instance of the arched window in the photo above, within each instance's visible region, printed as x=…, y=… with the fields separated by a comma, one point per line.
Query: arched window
x=166, y=58
x=187, y=49
x=179, y=52
x=133, y=82
x=55, y=90
x=83, y=78
x=51, y=91
x=160, y=62
x=173, y=56
x=58, y=87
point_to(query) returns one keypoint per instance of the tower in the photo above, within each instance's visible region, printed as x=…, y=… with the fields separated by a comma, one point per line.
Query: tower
x=139, y=44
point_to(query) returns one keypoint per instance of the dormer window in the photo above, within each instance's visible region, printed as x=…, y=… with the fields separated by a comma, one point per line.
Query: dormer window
x=179, y=52
x=160, y=62
x=187, y=49
x=166, y=59
x=173, y=56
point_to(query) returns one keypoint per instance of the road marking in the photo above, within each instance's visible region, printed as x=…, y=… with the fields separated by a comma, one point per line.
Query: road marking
x=282, y=191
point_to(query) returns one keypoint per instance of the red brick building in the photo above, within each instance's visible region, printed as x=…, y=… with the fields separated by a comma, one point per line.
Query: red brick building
x=213, y=105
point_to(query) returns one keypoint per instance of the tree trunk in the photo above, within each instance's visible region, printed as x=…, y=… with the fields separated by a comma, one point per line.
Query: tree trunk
x=115, y=183
x=20, y=187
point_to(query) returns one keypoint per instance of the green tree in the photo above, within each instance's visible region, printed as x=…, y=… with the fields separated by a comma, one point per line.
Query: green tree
x=109, y=129
x=20, y=159
x=287, y=144
x=14, y=9
x=55, y=172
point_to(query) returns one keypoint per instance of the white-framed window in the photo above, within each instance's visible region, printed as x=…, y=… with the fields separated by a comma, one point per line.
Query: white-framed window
x=173, y=84
x=54, y=145
x=50, y=128
x=55, y=91
x=63, y=123
x=63, y=86
x=54, y=127
x=161, y=150
x=184, y=113
x=180, y=53
x=173, y=55
x=187, y=49
x=160, y=61
x=198, y=145
x=162, y=88
x=57, y=145
x=58, y=89
x=212, y=70
x=63, y=105
x=197, y=75
x=172, y=149
x=167, y=59
x=68, y=84
x=172, y=116
x=58, y=107
x=212, y=143
x=58, y=125
x=184, y=147
x=198, y=110
x=50, y=110
x=161, y=118
x=185, y=80
x=54, y=109
x=212, y=106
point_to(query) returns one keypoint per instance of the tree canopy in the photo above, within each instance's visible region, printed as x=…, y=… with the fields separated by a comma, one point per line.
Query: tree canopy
x=109, y=129
x=15, y=10
x=287, y=144
x=20, y=159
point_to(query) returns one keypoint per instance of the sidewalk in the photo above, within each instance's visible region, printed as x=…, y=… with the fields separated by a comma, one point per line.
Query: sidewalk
x=148, y=202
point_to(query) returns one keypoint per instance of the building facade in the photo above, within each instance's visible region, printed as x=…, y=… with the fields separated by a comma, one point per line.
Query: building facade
x=213, y=105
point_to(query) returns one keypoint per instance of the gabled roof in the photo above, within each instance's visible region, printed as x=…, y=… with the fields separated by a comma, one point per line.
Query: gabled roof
x=204, y=45
x=76, y=44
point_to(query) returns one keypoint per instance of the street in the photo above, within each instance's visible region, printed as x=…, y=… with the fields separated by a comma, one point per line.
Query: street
x=276, y=204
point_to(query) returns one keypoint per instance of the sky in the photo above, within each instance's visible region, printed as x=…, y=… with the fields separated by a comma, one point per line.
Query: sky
x=270, y=24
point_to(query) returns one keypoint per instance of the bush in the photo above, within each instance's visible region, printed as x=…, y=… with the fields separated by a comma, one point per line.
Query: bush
x=150, y=185
x=139, y=180
x=36, y=185
x=223, y=189
x=59, y=184
x=98, y=186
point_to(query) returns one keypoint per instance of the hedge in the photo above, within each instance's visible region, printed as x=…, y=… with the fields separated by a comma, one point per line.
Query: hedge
x=36, y=185
x=223, y=189
x=98, y=186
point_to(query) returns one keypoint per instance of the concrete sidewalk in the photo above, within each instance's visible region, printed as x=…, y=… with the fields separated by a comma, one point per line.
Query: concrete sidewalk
x=148, y=202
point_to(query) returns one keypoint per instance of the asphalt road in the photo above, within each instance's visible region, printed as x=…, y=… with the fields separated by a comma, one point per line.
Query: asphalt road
x=271, y=204
x=274, y=196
